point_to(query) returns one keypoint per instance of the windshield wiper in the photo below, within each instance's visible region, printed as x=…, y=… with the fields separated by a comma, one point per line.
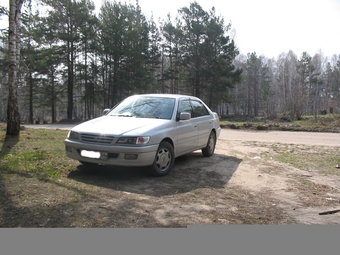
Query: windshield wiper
x=122, y=115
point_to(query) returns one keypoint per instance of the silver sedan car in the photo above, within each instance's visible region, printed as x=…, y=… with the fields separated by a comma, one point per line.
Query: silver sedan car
x=146, y=130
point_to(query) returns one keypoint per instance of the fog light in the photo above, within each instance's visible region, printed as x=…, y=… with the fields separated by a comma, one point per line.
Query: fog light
x=68, y=148
x=103, y=155
x=130, y=156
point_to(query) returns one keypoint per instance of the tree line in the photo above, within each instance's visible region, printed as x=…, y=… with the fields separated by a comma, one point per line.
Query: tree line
x=290, y=85
x=74, y=63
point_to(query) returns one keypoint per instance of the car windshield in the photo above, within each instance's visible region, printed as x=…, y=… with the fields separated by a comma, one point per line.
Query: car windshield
x=145, y=107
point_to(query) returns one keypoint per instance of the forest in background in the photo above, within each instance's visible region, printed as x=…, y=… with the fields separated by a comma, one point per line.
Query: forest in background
x=74, y=63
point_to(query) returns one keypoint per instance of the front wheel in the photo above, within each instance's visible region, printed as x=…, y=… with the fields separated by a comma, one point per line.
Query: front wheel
x=209, y=150
x=164, y=159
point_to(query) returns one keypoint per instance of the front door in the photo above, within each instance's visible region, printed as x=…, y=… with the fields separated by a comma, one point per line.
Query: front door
x=187, y=130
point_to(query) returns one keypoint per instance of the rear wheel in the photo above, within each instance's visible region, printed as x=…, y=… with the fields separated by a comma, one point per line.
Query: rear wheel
x=164, y=159
x=209, y=150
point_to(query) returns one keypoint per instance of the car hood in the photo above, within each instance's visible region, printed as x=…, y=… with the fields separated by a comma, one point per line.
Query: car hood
x=118, y=125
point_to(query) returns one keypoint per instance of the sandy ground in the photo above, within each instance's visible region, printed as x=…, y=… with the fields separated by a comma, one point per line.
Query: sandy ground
x=277, y=182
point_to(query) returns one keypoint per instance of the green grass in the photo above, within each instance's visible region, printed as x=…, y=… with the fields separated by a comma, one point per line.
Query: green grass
x=38, y=153
x=322, y=160
x=323, y=123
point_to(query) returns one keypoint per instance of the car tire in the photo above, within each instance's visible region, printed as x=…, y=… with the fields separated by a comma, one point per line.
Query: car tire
x=164, y=159
x=209, y=150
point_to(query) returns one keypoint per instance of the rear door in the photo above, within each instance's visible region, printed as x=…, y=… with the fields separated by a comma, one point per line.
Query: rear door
x=203, y=122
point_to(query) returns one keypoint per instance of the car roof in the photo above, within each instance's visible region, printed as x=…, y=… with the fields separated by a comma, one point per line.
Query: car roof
x=177, y=96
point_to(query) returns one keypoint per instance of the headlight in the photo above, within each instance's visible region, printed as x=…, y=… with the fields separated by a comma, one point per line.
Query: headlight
x=73, y=135
x=134, y=140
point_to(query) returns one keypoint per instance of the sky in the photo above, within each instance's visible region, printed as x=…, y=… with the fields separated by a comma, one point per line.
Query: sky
x=267, y=27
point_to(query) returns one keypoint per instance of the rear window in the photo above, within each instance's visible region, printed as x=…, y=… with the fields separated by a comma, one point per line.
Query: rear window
x=199, y=109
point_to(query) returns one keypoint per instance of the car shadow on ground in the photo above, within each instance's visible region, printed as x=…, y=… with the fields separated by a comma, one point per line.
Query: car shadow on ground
x=190, y=172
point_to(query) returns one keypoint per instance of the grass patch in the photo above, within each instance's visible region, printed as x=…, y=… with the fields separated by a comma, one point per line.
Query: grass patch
x=321, y=159
x=38, y=153
x=323, y=123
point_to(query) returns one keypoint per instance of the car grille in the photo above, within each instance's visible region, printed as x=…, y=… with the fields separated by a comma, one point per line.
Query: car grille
x=96, y=138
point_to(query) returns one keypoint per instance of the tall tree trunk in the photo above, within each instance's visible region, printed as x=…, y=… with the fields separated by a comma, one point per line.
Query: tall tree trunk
x=13, y=116
x=53, y=97
x=30, y=82
x=162, y=71
x=70, y=82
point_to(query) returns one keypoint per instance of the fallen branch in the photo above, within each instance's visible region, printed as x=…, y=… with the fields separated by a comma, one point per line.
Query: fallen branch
x=103, y=207
x=329, y=212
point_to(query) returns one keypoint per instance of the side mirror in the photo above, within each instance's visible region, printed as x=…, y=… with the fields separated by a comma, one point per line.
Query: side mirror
x=184, y=116
x=106, y=111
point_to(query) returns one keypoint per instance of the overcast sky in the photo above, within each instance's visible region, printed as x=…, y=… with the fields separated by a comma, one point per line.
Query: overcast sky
x=270, y=27
x=267, y=27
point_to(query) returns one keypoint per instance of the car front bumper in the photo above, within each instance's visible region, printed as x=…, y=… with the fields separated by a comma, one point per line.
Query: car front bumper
x=112, y=155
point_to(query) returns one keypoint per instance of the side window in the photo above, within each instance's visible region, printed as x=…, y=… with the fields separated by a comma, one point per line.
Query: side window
x=185, y=106
x=199, y=109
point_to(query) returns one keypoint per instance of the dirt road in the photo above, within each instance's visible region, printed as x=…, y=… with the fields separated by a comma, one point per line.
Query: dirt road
x=307, y=138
